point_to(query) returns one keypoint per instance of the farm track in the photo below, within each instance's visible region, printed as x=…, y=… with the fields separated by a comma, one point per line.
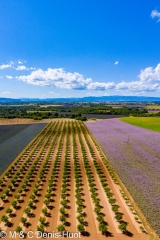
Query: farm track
x=50, y=158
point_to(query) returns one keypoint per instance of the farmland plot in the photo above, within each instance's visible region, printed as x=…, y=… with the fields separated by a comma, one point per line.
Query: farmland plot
x=134, y=153
x=8, y=131
x=61, y=183
x=13, y=139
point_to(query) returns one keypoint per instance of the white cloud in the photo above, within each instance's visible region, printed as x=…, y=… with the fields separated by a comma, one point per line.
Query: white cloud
x=32, y=68
x=100, y=86
x=21, y=61
x=150, y=74
x=149, y=80
x=5, y=93
x=9, y=77
x=58, y=78
x=8, y=65
x=156, y=14
x=21, y=68
x=137, y=86
x=4, y=66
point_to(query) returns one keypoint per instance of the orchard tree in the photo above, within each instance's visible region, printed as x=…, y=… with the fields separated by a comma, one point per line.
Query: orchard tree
x=103, y=228
x=27, y=211
x=80, y=228
x=122, y=226
x=23, y=220
x=4, y=219
x=61, y=228
x=9, y=211
x=18, y=229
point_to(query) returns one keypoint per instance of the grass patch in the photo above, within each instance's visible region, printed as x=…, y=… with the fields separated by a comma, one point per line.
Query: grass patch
x=153, y=107
x=151, y=123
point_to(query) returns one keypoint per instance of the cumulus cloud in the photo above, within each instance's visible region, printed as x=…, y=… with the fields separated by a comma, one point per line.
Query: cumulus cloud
x=57, y=77
x=149, y=81
x=8, y=65
x=101, y=86
x=4, y=66
x=9, y=77
x=21, y=68
x=149, y=78
x=155, y=14
x=150, y=74
x=137, y=86
x=60, y=78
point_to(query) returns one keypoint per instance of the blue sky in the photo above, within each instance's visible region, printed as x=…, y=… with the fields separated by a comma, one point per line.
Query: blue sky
x=76, y=48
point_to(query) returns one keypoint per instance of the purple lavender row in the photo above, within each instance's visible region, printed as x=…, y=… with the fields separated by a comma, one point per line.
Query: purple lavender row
x=134, y=153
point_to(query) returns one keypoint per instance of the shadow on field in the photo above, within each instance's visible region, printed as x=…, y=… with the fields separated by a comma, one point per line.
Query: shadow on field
x=129, y=234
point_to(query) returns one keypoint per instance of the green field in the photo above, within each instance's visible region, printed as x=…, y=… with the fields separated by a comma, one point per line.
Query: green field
x=153, y=107
x=151, y=123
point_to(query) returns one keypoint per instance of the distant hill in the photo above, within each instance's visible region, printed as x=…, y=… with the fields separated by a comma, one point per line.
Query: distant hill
x=84, y=99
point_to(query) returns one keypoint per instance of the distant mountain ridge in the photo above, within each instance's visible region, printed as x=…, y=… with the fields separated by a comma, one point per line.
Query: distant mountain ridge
x=84, y=99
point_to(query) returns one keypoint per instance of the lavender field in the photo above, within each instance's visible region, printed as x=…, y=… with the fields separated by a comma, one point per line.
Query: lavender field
x=134, y=153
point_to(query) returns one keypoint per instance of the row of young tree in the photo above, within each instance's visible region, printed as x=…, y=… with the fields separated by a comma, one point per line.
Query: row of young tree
x=102, y=225
x=78, y=186
x=115, y=208
x=27, y=166
x=38, y=164
x=103, y=180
